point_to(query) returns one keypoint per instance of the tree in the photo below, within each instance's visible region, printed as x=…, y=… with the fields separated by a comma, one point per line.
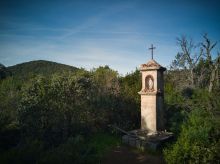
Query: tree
x=213, y=65
x=107, y=80
x=185, y=59
x=197, y=60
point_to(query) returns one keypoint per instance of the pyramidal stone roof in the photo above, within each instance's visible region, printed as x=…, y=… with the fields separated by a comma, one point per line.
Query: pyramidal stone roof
x=151, y=65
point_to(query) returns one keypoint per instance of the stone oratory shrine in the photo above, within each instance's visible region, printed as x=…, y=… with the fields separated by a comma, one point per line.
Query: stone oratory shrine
x=152, y=95
x=152, y=133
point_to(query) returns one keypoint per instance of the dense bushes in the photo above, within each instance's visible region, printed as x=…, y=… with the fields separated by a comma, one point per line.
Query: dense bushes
x=62, y=117
x=45, y=117
x=198, y=141
x=193, y=116
x=52, y=109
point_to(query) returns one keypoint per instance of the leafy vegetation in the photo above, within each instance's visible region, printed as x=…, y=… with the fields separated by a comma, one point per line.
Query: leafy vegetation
x=53, y=113
x=198, y=141
x=195, y=104
x=44, y=117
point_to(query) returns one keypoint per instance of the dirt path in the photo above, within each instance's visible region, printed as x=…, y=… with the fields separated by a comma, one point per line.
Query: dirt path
x=126, y=155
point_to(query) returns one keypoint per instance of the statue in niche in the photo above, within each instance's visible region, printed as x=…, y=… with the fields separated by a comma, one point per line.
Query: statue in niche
x=149, y=84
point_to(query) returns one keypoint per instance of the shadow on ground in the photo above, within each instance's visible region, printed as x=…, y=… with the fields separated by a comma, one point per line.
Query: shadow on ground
x=127, y=155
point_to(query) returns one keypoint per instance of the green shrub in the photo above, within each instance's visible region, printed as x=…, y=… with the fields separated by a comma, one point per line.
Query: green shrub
x=53, y=109
x=198, y=141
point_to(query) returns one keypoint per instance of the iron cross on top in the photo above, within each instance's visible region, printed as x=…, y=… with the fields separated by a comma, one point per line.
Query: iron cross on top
x=152, y=51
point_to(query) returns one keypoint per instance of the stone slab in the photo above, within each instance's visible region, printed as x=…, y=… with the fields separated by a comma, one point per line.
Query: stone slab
x=152, y=142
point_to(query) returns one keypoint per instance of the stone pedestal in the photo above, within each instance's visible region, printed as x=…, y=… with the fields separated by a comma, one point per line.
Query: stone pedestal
x=141, y=139
x=152, y=117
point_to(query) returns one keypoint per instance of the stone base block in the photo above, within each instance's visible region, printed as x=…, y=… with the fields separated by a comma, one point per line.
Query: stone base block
x=145, y=140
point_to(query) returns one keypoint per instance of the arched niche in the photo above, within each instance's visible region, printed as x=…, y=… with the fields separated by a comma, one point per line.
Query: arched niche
x=149, y=83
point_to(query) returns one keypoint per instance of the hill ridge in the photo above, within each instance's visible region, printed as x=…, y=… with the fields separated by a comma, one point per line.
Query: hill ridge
x=39, y=67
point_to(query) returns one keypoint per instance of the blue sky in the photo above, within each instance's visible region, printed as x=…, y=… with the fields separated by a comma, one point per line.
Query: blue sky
x=90, y=33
